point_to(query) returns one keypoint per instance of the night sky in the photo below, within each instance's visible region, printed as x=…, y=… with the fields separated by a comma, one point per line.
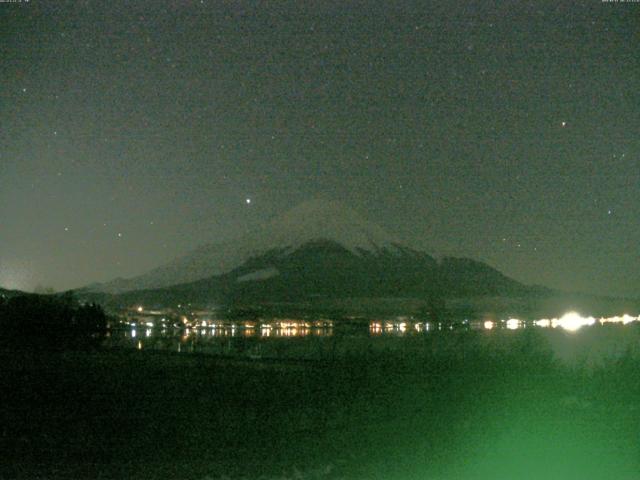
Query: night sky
x=133, y=132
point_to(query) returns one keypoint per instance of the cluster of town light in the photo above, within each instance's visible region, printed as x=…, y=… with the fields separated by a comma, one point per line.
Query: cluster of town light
x=571, y=321
x=204, y=325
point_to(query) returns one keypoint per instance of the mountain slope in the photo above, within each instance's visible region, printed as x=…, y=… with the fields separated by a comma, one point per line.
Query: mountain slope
x=311, y=221
x=317, y=251
x=326, y=271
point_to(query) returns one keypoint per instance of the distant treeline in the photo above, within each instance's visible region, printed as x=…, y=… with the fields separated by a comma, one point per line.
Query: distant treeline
x=431, y=309
x=50, y=322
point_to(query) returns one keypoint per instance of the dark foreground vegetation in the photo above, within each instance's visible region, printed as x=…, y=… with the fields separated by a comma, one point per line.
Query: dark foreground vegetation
x=50, y=322
x=456, y=414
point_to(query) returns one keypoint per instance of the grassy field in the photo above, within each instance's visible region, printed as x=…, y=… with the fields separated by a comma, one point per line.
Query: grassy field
x=514, y=413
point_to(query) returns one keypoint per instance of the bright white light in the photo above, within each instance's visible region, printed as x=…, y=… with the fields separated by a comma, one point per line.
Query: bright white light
x=572, y=321
x=545, y=323
x=140, y=309
x=248, y=200
x=624, y=319
x=513, y=324
x=488, y=325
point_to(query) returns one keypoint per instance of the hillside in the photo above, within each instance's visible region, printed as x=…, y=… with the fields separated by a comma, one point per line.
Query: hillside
x=316, y=252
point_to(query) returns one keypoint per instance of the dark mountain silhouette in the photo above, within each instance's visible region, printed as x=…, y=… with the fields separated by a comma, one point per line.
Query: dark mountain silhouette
x=319, y=250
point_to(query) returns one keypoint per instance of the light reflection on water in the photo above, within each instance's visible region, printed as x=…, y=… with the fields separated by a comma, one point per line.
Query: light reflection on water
x=251, y=337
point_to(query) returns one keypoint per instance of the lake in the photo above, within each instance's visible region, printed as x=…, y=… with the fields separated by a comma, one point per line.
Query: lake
x=266, y=401
x=570, y=337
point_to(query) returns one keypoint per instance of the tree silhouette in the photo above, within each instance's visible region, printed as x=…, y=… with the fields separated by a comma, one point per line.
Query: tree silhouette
x=50, y=322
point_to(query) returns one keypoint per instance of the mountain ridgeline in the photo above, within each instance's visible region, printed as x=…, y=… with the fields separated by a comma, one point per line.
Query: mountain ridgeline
x=319, y=250
x=326, y=270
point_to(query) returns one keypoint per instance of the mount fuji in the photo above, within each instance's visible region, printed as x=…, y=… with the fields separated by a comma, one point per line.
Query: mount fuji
x=319, y=249
x=309, y=222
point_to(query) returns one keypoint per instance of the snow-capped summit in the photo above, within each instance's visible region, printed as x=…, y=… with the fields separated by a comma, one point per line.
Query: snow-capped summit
x=312, y=221
x=325, y=220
